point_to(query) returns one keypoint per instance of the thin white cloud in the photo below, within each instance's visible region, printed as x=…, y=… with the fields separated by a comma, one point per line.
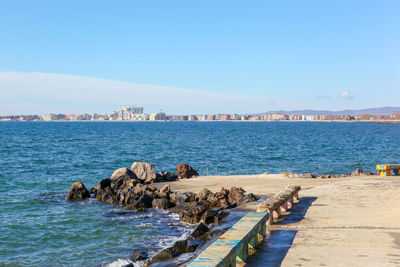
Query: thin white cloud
x=346, y=95
x=322, y=96
x=39, y=93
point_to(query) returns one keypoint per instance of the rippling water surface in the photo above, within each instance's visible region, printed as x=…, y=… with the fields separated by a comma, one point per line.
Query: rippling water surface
x=39, y=161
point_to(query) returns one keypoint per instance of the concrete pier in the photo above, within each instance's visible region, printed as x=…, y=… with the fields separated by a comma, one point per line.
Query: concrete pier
x=233, y=247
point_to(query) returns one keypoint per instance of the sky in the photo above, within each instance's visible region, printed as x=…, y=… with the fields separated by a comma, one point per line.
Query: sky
x=198, y=57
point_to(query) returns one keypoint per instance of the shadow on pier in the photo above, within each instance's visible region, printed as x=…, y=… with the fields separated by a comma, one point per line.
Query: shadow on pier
x=275, y=246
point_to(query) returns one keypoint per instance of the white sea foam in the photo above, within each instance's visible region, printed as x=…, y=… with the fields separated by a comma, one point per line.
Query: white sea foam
x=119, y=263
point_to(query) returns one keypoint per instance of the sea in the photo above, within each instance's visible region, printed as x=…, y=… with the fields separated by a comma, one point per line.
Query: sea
x=40, y=160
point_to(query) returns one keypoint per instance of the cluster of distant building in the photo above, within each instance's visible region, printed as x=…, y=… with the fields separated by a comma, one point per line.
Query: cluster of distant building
x=134, y=113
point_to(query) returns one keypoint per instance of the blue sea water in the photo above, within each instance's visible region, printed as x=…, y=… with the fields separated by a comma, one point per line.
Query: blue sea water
x=39, y=162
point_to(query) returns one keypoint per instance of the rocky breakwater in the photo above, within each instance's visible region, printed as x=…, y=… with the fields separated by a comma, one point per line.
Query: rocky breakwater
x=135, y=189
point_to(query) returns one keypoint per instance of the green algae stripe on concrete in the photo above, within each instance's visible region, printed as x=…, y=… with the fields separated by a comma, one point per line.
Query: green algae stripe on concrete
x=226, y=248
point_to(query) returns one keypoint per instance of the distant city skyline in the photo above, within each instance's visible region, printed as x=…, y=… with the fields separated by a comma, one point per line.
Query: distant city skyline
x=198, y=57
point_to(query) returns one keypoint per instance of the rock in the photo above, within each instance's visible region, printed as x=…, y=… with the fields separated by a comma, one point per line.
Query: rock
x=128, y=265
x=173, y=196
x=161, y=203
x=127, y=197
x=357, y=172
x=143, y=203
x=145, y=171
x=101, y=185
x=192, y=244
x=125, y=182
x=185, y=171
x=139, y=256
x=200, y=230
x=248, y=198
x=185, y=197
x=235, y=194
x=309, y=175
x=193, y=214
x=78, y=191
x=122, y=173
x=220, y=199
x=164, y=191
x=166, y=176
x=177, y=249
x=208, y=216
x=105, y=195
x=203, y=194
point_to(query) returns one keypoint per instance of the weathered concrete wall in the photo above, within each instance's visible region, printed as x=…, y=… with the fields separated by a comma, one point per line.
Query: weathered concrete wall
x=235, y=245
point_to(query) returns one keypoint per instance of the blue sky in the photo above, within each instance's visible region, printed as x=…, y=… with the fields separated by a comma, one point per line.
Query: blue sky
x=198, y=56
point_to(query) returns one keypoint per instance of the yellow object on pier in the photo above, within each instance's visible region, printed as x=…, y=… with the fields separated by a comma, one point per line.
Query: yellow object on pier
x=388, y=169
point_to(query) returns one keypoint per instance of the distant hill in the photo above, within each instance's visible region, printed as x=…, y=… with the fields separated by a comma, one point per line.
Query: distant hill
x=352, y=112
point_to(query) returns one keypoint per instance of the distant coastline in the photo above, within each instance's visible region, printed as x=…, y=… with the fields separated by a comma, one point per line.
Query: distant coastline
x=237, y=121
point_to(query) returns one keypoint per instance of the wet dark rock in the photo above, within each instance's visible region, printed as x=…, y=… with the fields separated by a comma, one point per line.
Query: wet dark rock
x=139, y=256
x=122, y=173
x=145, y=171
x=193, y=243
x=128, y=197
x=128, y=265
x=166, y=176
x=105, y=195
x=77, y=191
x=185, y=171
x=208, y=216
x=100, y=185
x=161, y=203
x=200, y=230
x=143, y=203
x=125, y=182
x=177, y=249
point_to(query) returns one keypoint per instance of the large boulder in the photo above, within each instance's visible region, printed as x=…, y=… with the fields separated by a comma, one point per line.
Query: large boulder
x=200, y=230
x=145, y=171
x=194, y=214
x=143, y=203
x=122, y=173
x=125, y=182
x=166, y=176
x=185, y=171
x=101, y=185
x=235, y=194
x=106, y=194
x=139, y=255
x=78, y=191
x=175, y=250
x=161, y=203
